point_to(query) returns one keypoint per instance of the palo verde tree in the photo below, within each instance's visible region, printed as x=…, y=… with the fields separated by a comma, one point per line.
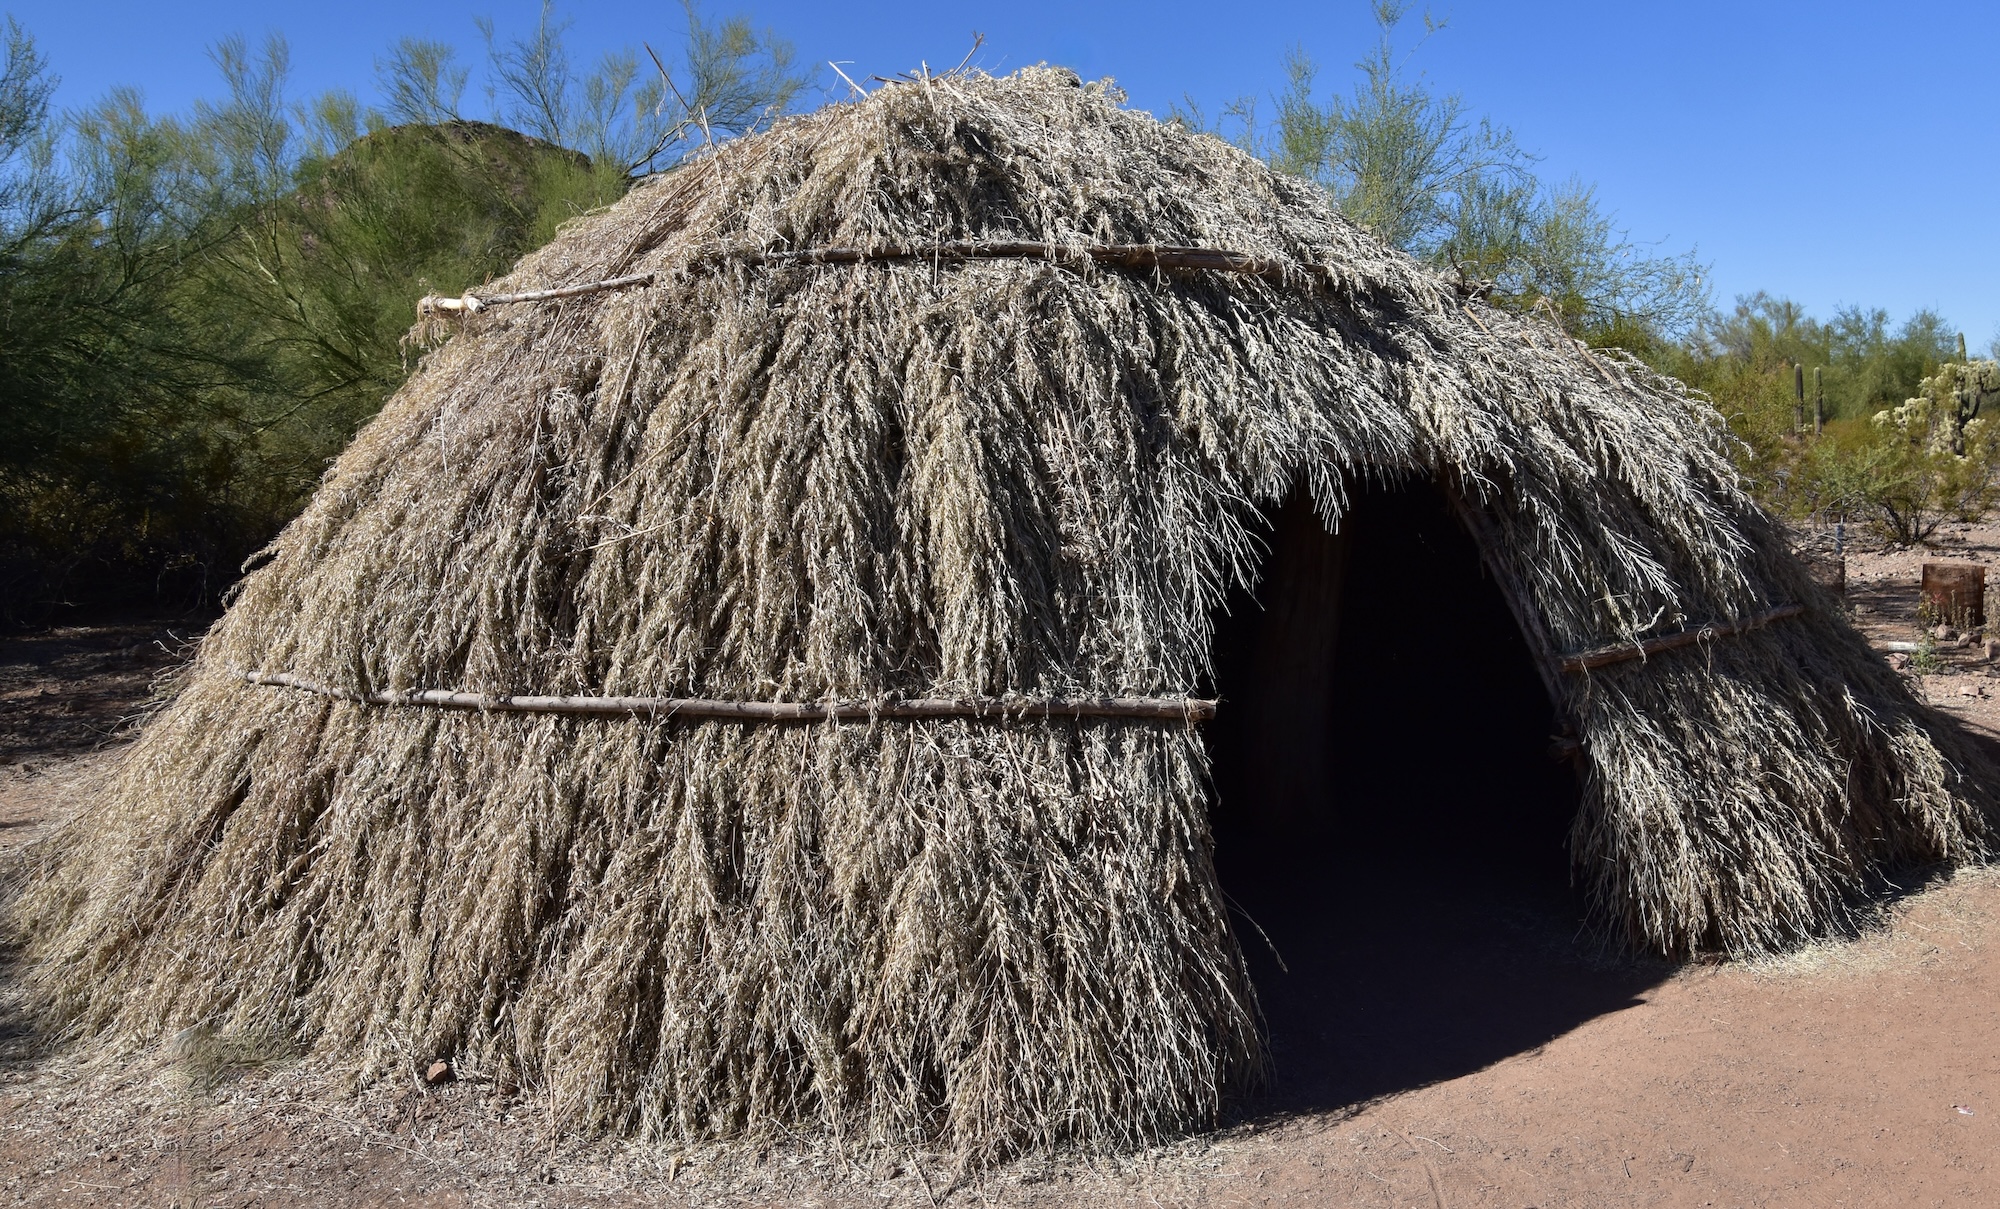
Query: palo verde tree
x=201, y=308
x=1421, y=171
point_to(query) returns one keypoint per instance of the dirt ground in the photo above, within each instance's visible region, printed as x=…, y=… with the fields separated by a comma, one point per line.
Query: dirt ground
x=1462, y=1046
x=69, y=698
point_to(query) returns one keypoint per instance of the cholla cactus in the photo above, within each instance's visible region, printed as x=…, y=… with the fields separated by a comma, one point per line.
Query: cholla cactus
x=1947, y=404
x=1916, y=422
x=1967, y=386
x=1970, y=483
x=1942, y=455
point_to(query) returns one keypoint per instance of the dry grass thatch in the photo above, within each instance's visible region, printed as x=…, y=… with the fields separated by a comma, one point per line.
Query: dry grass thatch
x=869, y=481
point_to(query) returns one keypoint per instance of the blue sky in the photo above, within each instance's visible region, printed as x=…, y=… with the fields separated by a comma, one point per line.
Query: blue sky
x=1832, y=152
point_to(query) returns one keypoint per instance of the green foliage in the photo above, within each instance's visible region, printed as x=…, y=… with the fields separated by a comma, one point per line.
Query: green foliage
x=1745, y=361
x=420, y=85
x=1926, y=661
x=1939, y=457
x=113, y=372
x=336, y=263
x=1425, y=175
x=1905, y=444
x=25, y=88
x=619, y=114
x=197, y=311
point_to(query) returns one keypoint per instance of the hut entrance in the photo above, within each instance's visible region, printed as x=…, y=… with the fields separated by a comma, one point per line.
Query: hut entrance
x=1387, y=815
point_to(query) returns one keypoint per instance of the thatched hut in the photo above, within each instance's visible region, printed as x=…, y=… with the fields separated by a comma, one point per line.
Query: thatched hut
x=829, y=542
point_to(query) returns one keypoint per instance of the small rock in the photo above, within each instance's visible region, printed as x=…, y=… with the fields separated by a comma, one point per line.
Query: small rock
x=1899, y=661
x=1944, y=633
x=1991, y=649
x=440, y=1073
x=1971, y=690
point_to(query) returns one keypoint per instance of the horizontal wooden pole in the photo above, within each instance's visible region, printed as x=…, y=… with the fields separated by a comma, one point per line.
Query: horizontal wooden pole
x=1140, y=257
x=999, y=709
x=1604, y=656
x=431, y=304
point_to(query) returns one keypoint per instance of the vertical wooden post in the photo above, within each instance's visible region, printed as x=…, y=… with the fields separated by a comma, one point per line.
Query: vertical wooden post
x=1953, y=594
x=1281, y=726
x=1819, y=403
x=1798, y=397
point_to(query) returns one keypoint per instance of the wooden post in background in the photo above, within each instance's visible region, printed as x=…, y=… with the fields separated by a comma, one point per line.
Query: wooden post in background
x=1953, y=594
x=1286, y=700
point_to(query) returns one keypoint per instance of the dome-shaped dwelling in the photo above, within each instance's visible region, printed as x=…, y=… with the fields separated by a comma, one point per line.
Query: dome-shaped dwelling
x=756, y=673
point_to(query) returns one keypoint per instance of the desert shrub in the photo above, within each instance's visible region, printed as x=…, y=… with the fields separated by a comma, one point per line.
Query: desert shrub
x=1935, y=456
x=1905, y=470
x=198, y=310
x=1419, y=169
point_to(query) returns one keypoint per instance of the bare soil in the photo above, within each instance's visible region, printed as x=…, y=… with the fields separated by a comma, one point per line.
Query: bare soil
x=69, y=697
x=1444, y=1037
x=1882, y=598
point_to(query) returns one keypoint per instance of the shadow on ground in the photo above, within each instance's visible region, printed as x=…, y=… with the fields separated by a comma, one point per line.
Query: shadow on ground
x=65, y=690
x=1391, y=981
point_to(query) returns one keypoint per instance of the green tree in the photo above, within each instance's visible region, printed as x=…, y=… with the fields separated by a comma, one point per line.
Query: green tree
x=198, y=310
x=1904, y=443
x=115, y=377
x=623, y=114
x=1420, y=171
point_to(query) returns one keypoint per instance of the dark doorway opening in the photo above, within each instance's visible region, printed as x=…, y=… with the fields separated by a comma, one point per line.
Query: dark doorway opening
x=1390, y=826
